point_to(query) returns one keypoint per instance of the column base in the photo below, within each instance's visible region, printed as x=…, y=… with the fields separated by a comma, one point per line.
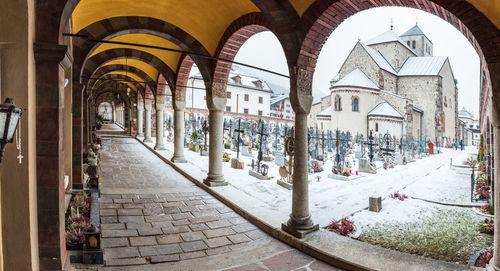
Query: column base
x=148, y=140
x=178, y=159
x=140, y=135
x=299, y=230
x=160, y=147
x=215, y=181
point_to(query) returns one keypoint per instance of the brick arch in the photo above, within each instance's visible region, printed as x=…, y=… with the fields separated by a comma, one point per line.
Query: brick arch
x=124, y=68
x=92, y=64
x=182, y=76
x=116, y=26
x=323, y=17
x=98, y=83
x=163, y=87
x=110, y=93
x=233, y=38
x=122, y=90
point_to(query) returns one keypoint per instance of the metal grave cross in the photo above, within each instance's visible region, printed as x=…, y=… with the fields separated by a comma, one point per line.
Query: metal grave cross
x=205, y=133
x=239, y=131
x=371, y=145
x=262, y=135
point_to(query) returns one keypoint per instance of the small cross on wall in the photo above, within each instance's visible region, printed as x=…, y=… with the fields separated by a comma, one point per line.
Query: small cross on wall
x=20, y=157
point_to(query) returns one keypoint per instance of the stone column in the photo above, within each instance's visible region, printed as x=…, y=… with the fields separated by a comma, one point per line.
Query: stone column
x=140, y=119
x=78, y=132
x=160, y=106
x=300, y=222
x=147, y=132
x=216, y=102
x=179, y=132
x=494, y=72
x=126, y=120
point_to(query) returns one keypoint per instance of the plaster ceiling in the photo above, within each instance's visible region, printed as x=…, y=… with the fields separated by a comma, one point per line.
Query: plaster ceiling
x=131, y=75
x=139, y=64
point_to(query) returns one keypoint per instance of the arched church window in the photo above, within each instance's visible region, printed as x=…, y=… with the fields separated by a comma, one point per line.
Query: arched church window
x=408, y=42
x=338, y=103
x=376, y=127
x=413, y=44
x=355, y=104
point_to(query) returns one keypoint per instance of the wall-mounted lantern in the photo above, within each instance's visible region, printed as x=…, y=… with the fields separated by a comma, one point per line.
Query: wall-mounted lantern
x=9, y=118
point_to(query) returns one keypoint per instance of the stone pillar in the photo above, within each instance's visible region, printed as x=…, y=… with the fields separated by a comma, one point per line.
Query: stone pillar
x=49, y=157
x=494, y=72
x=179, y=132
x=78, y=132
x=140, y=119
x=216, y=102
x=300, y=222
x=160, y=107
x=147, y=132
x=126, y=120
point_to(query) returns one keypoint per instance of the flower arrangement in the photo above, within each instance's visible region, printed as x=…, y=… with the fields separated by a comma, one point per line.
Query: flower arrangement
x=485, y=257
x=398, y=196
x=487, y=209
x=226, y=157
x=78, y=220
x=99, y=122
x=195, y=136
x=483, y=190
x=317, y=167
x=487, y=226
x=342, y=227
x=227, y=145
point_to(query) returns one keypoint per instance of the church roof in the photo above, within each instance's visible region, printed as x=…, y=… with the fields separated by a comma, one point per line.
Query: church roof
x=356, y=78
x=425, y=65
x=388, y=36
x=379, y=59
x=414, y=31
x=325, y=113
x=465, y=114
x=243, y=78
x=384, y=109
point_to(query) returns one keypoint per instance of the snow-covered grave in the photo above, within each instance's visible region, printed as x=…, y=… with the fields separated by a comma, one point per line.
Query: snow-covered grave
x=429, y=178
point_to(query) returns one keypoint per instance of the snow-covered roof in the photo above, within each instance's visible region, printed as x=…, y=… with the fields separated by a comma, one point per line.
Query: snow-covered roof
x=379, y=59
x=246, y=79
x=465, y=114
x=388, y=36
x=325, y=113
x=424, y=65
x=384, y=109
x=414, y=31
x=356, y=78
x=335, y=78
x=278, y=99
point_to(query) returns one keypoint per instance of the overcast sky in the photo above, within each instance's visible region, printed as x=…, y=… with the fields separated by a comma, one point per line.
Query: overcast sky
x=264, y=50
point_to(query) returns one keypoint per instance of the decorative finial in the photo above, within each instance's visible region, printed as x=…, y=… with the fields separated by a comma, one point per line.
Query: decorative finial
x=416, y=21
x=392, y=23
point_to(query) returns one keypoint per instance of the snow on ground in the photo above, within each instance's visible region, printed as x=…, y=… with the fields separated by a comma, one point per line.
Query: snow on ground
x=429, y=178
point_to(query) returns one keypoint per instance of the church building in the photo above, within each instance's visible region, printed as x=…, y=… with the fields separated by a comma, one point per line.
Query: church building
x=392, y=83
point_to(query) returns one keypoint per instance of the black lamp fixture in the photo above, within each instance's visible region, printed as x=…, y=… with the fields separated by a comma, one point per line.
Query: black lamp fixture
x=9, y=118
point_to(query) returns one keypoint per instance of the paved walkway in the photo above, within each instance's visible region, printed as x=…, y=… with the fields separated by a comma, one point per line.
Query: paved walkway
x=155, y=219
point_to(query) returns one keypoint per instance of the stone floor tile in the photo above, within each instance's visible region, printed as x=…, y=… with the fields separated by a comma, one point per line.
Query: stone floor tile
x=173, y=204
x=143, y=200
x=318, y=265
x=128, y=218
x=129, y=196
x=125, y=262
x=133, y=205
x=227, y=215
x=168, y=249
x=216, y=251
x=121, y=252
x=161, y=224
x=153, y=211
x=122, y=200
x=148, y=196
x=244, y=227
x=108, y=219
x=255, y=234
x=168, y=239
x=192, y=255
x=114, y=242
x=165, y=258
x=236, y=220
x=111, y=196
x=175, y=229
x=193, y=202
x=113, y=226
x=218, y=232
x=142, y=241
x=239, y=238
x=110, y=206
x=127, y=212
x=185, y=209
x=108, y=212
x=180, y=216
x=192, y=236
x=181, y=222
x=217, y=242
x=156, y=218
x=285, y=261
x=119, y=233
x=193, y=246
x=149, y=231
x=198, y=227
x=219, y=224
x=147, y=251
x=248, y=267
x=204, y=219
x=134, y=225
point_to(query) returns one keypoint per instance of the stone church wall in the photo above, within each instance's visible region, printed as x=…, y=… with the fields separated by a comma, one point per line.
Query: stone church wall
x=359, y=58
x=449, y=97
x=421, y=90
x=394, y=128
x=394, y=52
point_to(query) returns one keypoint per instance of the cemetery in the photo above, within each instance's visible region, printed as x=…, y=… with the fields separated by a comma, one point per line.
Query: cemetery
x=416, y=184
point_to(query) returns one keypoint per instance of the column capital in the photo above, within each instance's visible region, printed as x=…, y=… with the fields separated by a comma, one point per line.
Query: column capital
x=301, y=89
x=52, y=53
x=179, y=105
x=216, y=96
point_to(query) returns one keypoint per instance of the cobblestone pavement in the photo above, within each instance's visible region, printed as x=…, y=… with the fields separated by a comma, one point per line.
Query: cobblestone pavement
x=153, y=218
